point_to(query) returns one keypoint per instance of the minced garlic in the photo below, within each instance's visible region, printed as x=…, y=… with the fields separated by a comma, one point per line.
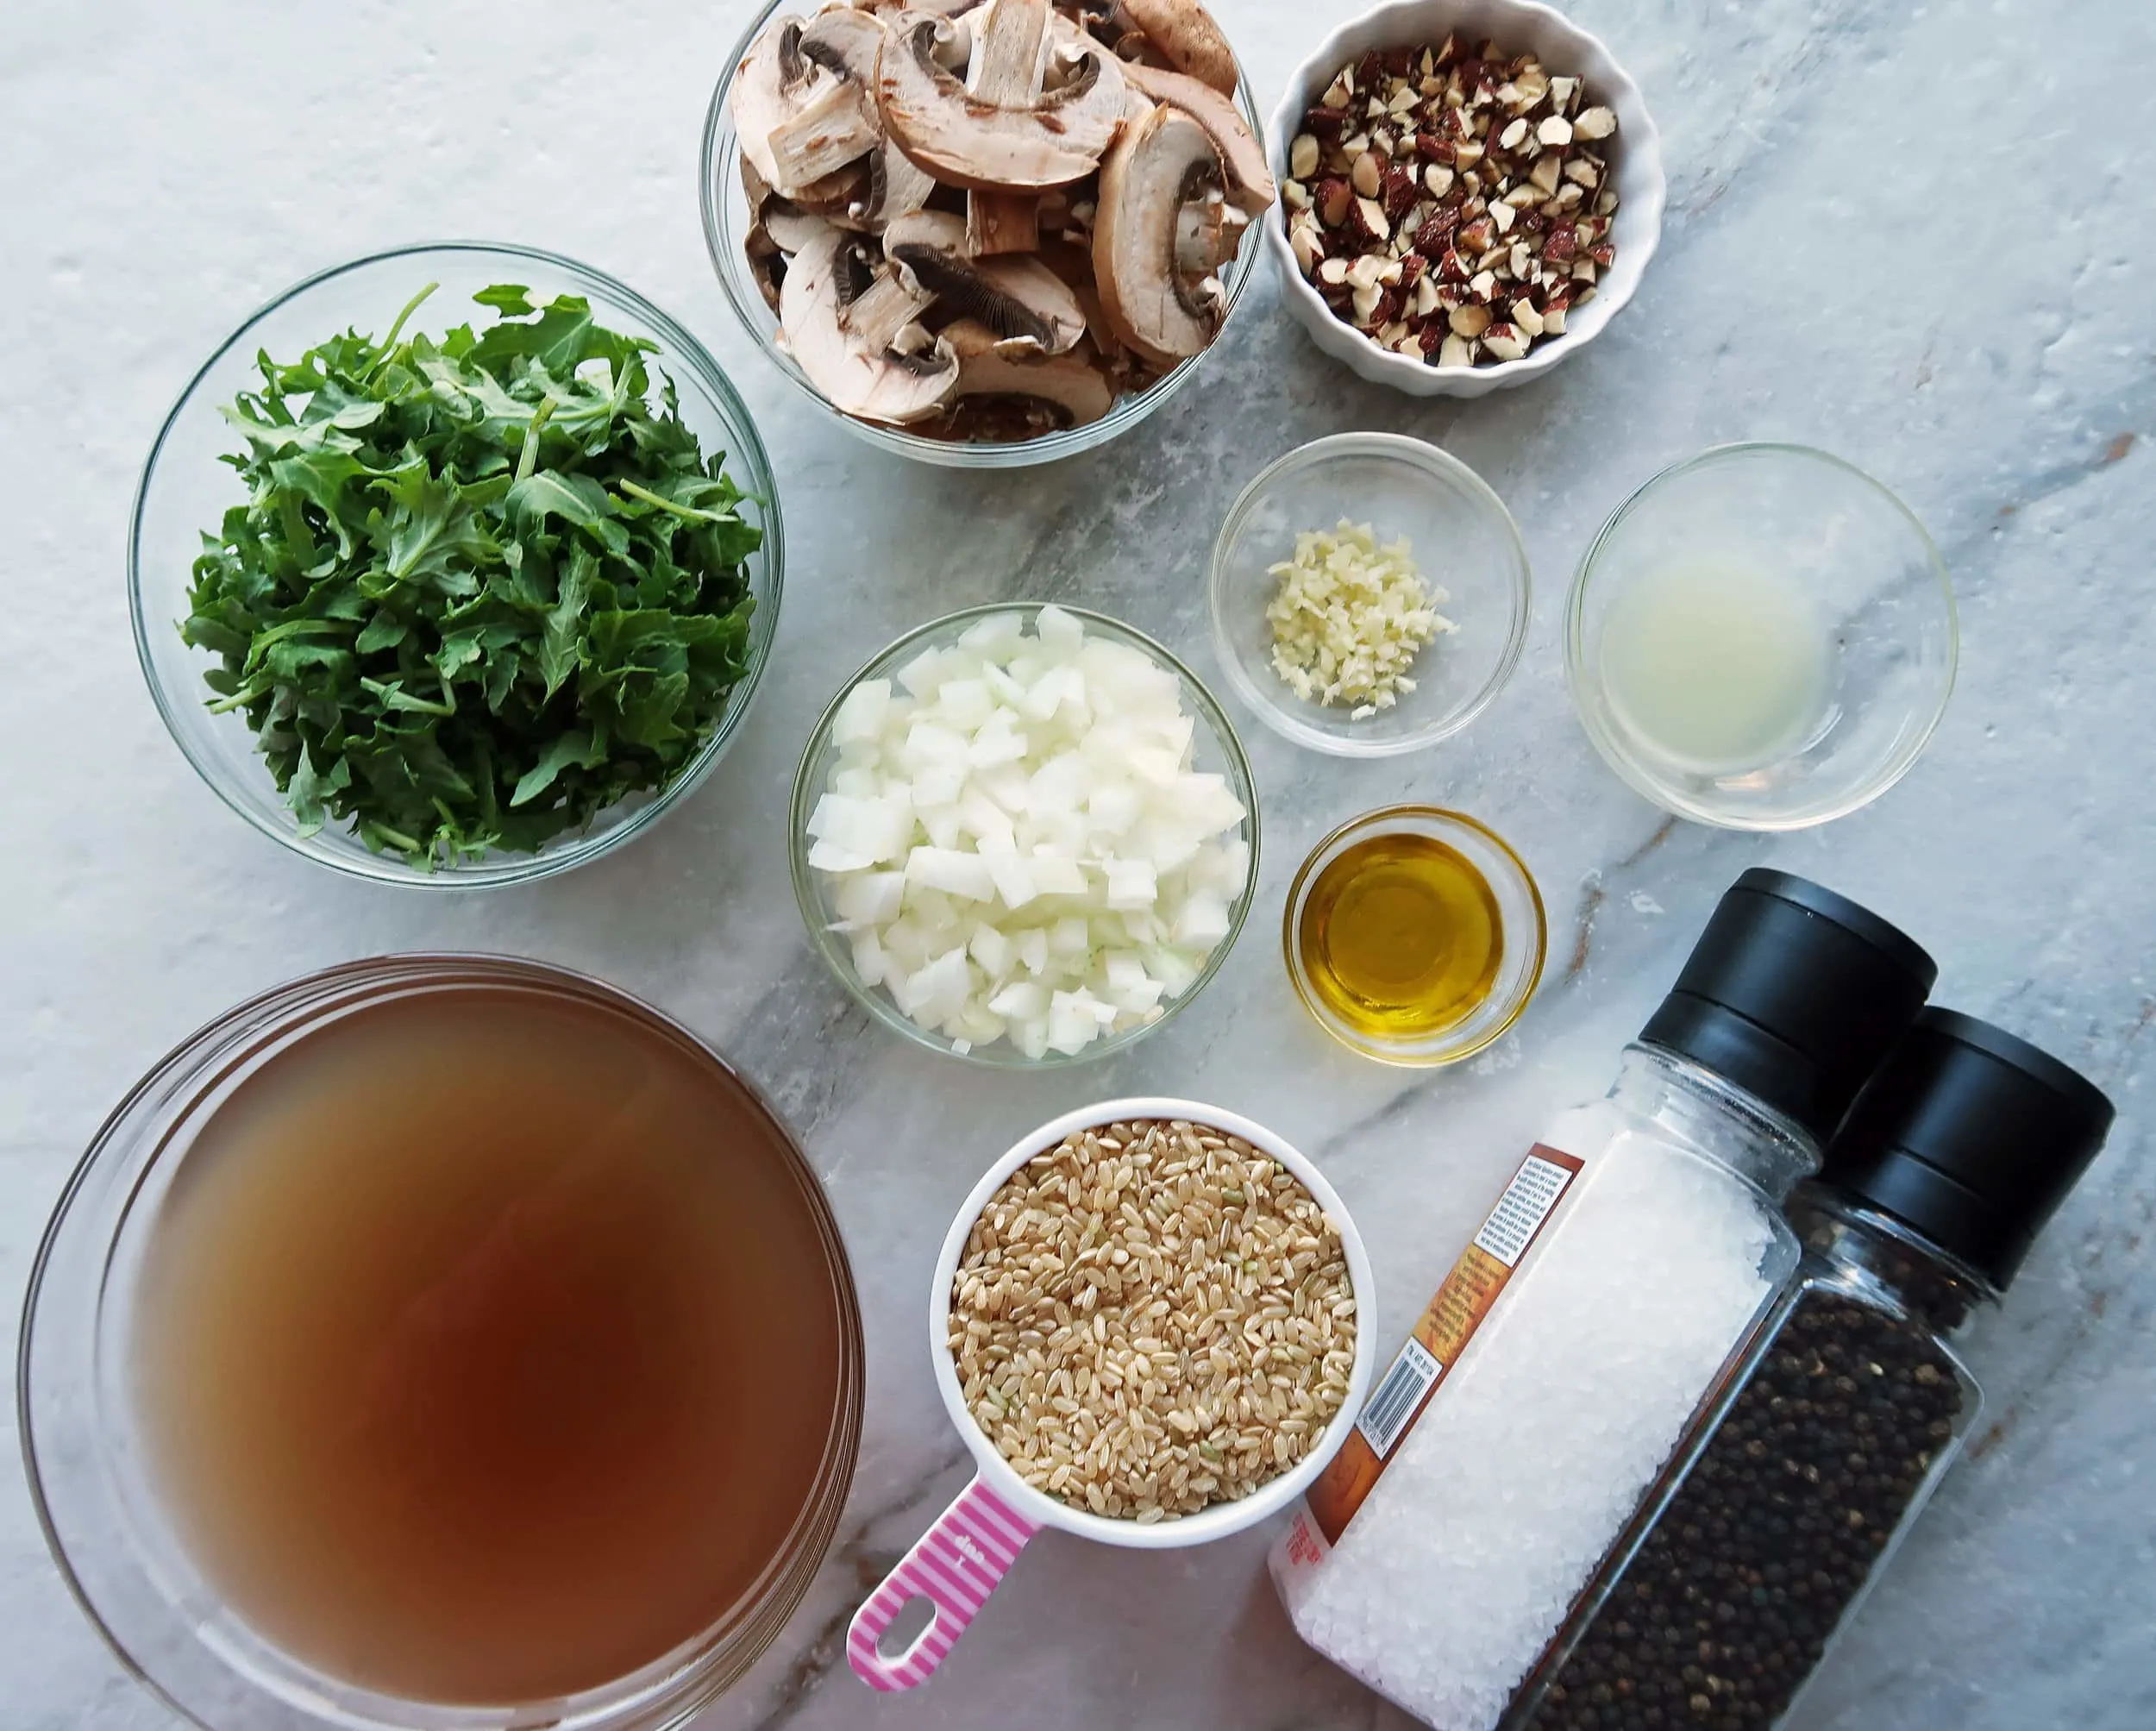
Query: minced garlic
x=1350, y=618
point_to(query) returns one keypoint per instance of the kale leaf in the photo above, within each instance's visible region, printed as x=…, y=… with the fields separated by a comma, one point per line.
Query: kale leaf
x=483, y=587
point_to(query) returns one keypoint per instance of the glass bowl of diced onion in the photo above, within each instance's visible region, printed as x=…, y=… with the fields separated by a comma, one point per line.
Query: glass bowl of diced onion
x=1024, y=835
x=1351, y=514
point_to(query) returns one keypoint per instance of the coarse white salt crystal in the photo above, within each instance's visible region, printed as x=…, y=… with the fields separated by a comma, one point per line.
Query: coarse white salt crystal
x=1496, y=1507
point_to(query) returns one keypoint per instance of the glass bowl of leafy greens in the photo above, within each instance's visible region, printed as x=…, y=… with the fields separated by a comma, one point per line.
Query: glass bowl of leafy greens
x=456, y=565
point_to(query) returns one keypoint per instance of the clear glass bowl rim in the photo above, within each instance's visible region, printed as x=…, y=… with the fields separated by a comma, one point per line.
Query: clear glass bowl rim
x=666, y=1693
x=1391, y=817
x=1124, y=414
x=681, y=349
x=1420, y=454
x=1580, y=681
x=1002, y=1055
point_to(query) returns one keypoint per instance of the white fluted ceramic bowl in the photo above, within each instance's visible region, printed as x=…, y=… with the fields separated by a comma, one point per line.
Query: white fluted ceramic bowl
x=1523, y=26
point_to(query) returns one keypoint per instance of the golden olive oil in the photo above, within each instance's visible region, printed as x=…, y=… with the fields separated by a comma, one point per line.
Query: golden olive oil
x=1401, y=936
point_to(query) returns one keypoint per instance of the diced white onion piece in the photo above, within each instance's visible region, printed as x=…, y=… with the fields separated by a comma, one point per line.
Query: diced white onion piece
x=861, y=716
x=999, y=742
x=964, y=703
x=986, y=822
x=941, y=823
x=1204, y=920
x=1053, y=874
x=929, y=743
x=1013, y=881
x=1021, y=847
x=1141, y=999
x=921, y=675
x=994, y=635
x=1131, y=884
x=953, y=871
x=1021, y=1001
x=830, y=856
x=1061, y=635
x=1175, y=971
x=993, y=951
x=870, y=898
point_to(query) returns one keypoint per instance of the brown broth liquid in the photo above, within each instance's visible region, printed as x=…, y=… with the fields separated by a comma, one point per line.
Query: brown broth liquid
x=486, y=1349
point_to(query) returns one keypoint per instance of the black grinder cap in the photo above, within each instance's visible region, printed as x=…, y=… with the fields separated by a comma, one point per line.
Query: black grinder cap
x=1972, y=1137
x=1795, y=994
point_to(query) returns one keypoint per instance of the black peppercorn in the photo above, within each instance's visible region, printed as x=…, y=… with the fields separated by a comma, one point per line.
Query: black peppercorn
x=1791, y=1500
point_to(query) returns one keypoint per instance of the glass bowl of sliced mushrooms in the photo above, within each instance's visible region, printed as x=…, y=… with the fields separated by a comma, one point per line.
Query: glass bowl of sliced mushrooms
x=990, y=235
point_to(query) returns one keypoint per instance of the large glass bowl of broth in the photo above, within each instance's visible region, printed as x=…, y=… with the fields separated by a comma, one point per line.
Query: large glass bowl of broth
x=1762, y=637
x=438, y=1342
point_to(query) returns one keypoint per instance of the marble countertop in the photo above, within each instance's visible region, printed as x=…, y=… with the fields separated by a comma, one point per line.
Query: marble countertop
x=1914, y=234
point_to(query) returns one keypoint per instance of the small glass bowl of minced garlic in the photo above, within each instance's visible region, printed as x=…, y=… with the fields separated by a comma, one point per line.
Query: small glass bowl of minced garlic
x=1414, y=935
x=1369, y=595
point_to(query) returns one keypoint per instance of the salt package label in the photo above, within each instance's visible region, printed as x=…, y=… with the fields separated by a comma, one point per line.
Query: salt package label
x=1469, y=1294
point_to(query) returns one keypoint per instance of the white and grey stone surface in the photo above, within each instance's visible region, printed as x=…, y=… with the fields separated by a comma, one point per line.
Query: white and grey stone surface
x=1920, y=235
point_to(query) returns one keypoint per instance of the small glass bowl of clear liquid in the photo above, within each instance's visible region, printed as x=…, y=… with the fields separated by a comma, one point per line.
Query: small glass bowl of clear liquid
x=1762, y=637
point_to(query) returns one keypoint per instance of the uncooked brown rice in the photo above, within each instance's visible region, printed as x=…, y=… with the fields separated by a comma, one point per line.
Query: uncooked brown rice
x=1152, y=1317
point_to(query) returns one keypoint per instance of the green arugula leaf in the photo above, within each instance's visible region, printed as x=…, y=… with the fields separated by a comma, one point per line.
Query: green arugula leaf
x=384, y=631
x=560, y=648
x=507, y=296
x=481, y=586
x=538, y=497
x=436, y=533
x=308, y=792
x=571, y=748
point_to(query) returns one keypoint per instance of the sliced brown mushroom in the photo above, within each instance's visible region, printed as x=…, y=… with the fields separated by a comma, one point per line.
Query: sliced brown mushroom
x=1120, y=30
x=1019, y=297
x=1002, y=223
x=844, y=39
x=1187, y=39
x=881, y=384
x=892, y=301
x=847, y=41
x=790, y=226
x=754, y=187
x=1073, y=263
x=1058, y=135
x=773, y=85
x=1208, y=233
x=1248, y=181
x=767, y=263
x=986, y=368
x=836, y=126
x=898, y=185
x=1159, y=165
x=839, y=199
x=1008, y=64
x=829, y=197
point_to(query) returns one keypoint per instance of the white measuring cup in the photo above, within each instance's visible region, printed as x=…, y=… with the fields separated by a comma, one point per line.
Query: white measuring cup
x=958, y=1561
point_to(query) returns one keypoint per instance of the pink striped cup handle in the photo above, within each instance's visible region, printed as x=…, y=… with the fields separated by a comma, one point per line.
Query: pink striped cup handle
x=954, y=1567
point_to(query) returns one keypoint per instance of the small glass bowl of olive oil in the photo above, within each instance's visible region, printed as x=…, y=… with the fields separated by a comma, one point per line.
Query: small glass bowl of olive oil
x=1414, y=935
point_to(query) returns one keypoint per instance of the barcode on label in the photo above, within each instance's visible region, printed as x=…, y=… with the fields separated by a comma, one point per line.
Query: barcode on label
x=1386, y=1412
